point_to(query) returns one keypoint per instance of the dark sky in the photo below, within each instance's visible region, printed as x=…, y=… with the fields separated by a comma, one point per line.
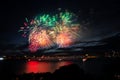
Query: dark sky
x=98, y=18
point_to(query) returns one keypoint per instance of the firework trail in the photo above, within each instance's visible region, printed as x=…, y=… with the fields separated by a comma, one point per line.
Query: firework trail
x=45, y=31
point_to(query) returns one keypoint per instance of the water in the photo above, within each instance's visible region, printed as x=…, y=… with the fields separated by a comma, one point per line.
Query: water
x=20, y=66
x=97, y=67
x=41, y=67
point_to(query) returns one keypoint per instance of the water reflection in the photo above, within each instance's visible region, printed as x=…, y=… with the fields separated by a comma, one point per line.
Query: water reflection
x=41, y=67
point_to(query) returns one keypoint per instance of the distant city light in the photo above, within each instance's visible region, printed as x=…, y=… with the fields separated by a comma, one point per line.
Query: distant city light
x=1, y=58
x=84, y=59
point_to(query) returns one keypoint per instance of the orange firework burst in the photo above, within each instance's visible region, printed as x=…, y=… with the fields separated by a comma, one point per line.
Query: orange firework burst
x=64, y=39
x=44, y=39
x=66, y=36
x=39, y=39
x=45, y=30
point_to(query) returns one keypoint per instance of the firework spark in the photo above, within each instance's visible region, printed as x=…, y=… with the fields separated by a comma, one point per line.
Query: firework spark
x=40, y=38
x=45, y=31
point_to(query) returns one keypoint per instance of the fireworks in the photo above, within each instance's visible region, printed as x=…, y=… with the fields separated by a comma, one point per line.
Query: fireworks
x=46, y=31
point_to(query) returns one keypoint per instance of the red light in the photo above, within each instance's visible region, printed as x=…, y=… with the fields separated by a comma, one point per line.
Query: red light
x=36, y=67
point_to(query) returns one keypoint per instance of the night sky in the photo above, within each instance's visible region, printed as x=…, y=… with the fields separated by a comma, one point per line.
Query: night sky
x=99, y=19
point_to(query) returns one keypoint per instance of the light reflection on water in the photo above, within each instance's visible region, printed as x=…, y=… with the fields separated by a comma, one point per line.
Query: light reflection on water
x=41, y=67
x=91, y=66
